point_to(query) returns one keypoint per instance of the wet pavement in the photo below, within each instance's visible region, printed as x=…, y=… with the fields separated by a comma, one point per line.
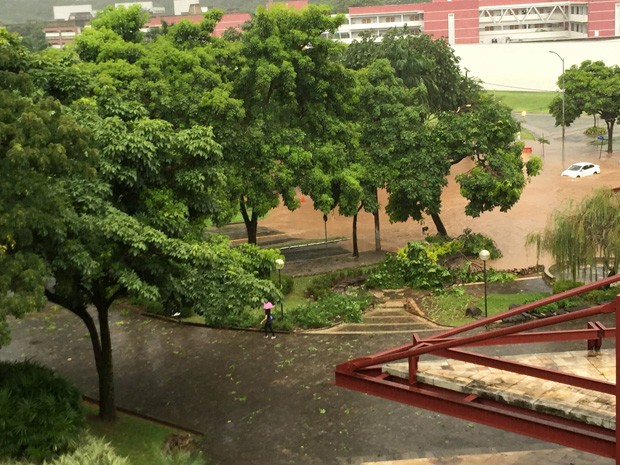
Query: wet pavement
x=257, y=401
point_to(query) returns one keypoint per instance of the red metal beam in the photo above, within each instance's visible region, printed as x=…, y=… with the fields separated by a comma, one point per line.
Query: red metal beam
x=365, y=374
x=537, y=425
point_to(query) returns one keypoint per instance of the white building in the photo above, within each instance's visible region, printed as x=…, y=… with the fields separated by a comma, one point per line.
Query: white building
x=184, y=7
x=65, y=12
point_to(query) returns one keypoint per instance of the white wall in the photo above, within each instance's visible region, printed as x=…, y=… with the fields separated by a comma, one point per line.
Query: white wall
x=64, y=12
x=530, y=66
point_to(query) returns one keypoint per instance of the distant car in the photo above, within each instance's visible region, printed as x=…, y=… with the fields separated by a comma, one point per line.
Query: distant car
x=583, y=168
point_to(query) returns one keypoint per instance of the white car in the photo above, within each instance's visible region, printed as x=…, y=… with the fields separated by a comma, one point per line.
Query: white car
x=583, y=168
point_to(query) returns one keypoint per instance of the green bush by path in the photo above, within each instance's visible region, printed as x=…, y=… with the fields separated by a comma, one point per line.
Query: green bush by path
x=140, y=440
x=41, y=414
x=328, y=310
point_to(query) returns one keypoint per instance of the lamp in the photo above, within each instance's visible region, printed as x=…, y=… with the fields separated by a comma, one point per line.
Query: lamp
x=279, y=266
x=484, y=255
x=563, y=103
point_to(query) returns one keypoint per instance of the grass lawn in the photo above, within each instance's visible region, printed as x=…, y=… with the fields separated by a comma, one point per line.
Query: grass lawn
x=449, y=309
x=139, y=439
x=531, y=102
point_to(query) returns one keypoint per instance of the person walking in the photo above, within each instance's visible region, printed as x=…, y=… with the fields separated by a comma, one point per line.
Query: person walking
x=268, y=320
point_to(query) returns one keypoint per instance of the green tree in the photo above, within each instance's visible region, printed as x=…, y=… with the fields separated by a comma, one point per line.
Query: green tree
x=291, y=87
x=126, y=22
x=88, y=217
x=420, y=62
x=386, y=109
x=592, y=88
x=33, y=37
x=580, y=235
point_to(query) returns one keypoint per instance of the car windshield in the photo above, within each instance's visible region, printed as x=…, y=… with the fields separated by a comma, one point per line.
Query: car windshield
x=575, y=168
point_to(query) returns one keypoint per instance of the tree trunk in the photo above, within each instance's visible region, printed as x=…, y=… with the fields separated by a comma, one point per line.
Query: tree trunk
x=107, y=404
x=441, y=229
x=102, y=350
x=377, y=228
x=356, y=252
x=251, y=223
x=610, y=135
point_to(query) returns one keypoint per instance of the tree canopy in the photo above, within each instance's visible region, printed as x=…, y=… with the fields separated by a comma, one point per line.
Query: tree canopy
x=583, y=236
x=590, y=88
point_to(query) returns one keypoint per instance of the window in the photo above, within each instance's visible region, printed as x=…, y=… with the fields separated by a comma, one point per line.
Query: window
x=366, y=20
x=390, y=19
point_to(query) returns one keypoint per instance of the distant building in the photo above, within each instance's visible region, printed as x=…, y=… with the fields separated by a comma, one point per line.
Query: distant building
x=231, y=20
x=146, y=6
x=64, y=12
x=192, y=7
x=488, y=21
x=69, y=22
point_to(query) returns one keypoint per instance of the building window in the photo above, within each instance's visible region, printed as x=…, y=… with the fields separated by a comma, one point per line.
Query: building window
x=366, y=20
x=390, y=19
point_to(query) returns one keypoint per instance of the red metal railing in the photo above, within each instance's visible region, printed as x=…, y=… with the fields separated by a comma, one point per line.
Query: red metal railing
x=366, y=374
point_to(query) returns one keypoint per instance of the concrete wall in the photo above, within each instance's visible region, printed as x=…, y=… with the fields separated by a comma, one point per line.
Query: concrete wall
x=530, y=66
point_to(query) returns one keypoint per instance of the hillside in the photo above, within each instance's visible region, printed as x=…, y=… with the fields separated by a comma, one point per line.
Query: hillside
x=22, y=11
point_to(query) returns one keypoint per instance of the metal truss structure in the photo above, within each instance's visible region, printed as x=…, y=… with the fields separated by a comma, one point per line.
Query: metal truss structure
x=366, y=375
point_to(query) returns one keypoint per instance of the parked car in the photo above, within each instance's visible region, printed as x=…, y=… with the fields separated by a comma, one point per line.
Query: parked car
x=583, y=168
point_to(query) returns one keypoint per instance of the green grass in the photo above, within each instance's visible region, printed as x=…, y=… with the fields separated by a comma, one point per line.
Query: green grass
x=449, y=309
x=136, y=438
x=531, y=102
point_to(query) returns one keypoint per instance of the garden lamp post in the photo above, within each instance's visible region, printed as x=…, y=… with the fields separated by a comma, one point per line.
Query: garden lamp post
x=484, y=256
x=563, y=102
x=279, y=266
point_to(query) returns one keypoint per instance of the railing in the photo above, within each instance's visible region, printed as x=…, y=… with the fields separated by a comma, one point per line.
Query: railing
x=366, y=374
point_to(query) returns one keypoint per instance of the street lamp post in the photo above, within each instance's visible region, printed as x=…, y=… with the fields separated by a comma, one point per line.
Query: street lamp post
x=484, y=255
x=563, y=103
x=279, y=266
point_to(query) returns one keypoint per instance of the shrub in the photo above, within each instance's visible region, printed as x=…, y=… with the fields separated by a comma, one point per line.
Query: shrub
x=287, y=282
x=386, y=275
x=41, y=414
x=330, y=309
x=595, y=131
x=93, y=452
x=565, y=285
x=322, y=284
x=473, y=243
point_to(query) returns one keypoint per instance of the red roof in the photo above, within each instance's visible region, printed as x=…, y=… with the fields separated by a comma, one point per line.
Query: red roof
x=409, y=7
x=228, y=20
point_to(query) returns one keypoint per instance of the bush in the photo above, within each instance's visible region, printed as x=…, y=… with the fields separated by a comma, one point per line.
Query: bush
x=287, y=283
x=41, y=414
x=473, y=243
x=595, y=131
x=322, y=284
x=330, y=309
x=565, y=285
x=93, y=452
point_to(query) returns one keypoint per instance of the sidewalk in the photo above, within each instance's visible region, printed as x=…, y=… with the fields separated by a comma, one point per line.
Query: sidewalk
x=537, y=457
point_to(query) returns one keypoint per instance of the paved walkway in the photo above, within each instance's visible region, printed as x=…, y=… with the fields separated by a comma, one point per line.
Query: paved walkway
x=539, y=395
x=538, y=457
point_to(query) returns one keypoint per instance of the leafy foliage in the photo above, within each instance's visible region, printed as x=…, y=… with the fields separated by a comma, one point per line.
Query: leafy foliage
x=582, y=236
x=41, y=414
x=426, y=264
x=330, y=309
x=592, y=88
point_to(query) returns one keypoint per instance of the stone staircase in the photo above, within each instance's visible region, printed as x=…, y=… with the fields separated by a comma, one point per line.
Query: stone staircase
x=393, y=313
